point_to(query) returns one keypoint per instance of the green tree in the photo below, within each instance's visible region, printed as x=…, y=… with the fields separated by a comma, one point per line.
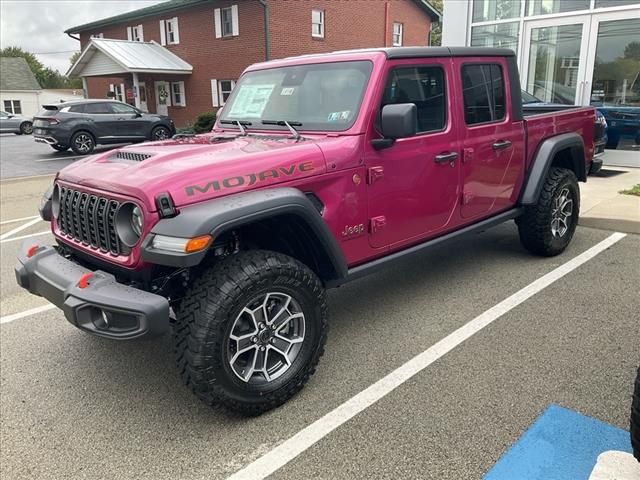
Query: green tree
x=74, y=82
x=632, y=51
x=436, y=28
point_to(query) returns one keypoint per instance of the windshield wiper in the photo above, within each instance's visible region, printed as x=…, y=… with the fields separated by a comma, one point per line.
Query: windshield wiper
x=284, y=123
x=240, y=123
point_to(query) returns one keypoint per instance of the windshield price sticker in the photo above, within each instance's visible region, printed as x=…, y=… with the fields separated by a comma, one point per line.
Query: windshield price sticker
x=287, y=91
x=339, y=116
x=251, y=100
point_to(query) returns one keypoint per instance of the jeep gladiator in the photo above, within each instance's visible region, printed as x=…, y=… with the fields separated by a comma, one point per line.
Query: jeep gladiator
x=320, y=169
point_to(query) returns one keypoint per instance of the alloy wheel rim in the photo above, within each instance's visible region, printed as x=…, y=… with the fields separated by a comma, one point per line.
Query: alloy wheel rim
x=561, y=213
x=266, y=338
x=161, y=134
x=28, y=128
x=83, y=143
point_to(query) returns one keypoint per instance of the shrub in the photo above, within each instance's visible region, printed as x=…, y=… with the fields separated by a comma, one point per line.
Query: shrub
x=204, y=122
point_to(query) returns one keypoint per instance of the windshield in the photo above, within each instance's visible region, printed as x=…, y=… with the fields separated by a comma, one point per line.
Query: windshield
x=324, y=96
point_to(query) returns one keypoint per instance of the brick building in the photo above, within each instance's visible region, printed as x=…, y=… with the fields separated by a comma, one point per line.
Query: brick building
x=183, y=57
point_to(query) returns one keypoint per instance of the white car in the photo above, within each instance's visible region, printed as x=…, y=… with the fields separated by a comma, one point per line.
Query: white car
x=10, y=123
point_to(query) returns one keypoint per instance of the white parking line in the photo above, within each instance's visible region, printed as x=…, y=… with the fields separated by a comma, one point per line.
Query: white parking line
x=20, y=228
x=58, y=159
x=26, y=313
x=16, y=220
x=308, y=436
x=22, y=237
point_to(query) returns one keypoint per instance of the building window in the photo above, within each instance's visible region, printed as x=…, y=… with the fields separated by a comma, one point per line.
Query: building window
x=97, y=35
x=423, y=86
x=169, y=33
x=317, y=23
x=397, y=34
x=483, y=93
x=135, y=33
x=13, y=107
x=117, y=91
x=546, y=7
x=220, y=91
x=504, y=35
x=489, y=10
x=177, y=94
x=226, y=21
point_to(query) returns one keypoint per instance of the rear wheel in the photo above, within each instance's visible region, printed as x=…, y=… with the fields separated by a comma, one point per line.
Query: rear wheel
x=60, y=148
x=547, y=227
x=160, y=133
x=26, y=128
x=82, y=143
x=635, y=418
x=250, y=331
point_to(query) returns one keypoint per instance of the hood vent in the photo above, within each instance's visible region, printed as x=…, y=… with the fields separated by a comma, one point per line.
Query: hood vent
x=131, y=156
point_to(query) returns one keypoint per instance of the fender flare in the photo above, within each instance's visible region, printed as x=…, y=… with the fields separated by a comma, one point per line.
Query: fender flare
x=543, y=159
x=223, y=214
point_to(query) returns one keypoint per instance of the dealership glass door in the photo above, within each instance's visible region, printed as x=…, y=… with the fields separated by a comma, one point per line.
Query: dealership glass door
x=554, y=61
x=613, y=63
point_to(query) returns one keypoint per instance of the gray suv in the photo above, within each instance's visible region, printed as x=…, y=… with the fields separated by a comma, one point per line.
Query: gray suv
x=81, y=125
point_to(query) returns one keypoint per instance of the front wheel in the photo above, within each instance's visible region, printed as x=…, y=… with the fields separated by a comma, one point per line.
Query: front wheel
x=547, y=227
x=82, y=143
x=250, y=331
x=635, y=419
x=26, y=128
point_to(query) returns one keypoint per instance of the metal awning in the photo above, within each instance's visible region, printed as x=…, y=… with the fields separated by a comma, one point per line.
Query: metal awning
x=105, y=56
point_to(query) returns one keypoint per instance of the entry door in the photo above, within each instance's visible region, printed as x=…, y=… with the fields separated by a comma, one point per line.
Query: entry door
x=163, y=97
x=613, y=64
x=554, y=56
x=142, y=95
x=413, y=186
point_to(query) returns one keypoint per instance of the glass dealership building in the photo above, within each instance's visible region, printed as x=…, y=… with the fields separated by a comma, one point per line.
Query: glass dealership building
x=578, y=52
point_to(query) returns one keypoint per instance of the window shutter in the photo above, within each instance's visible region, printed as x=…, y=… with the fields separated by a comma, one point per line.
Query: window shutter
x=234, y=16
x=176, y=31
x=163, y=33
x=129, y=34
x=141, y=33
x=214, y=93
x=183, y=99
x=218, y=22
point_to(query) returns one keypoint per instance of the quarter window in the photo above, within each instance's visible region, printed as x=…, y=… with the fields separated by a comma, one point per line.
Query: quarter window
x=317, y=23
x=397, y=34
x=13, y=106
x=483, y=92
x=423, y=86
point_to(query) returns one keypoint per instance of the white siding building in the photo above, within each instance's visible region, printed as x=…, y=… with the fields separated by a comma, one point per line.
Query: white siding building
x=19, y=89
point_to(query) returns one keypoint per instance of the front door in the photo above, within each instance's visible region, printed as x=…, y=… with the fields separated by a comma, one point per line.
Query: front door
x=142, y=95
x=414, y=184
x=492, y=142
x=163, y=97
x=554, y=67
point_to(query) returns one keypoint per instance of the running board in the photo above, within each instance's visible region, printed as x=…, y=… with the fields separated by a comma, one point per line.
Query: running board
x=375, y=265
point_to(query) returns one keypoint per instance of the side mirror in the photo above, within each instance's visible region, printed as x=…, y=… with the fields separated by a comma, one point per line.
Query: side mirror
x=398, y=120
x=138, y=113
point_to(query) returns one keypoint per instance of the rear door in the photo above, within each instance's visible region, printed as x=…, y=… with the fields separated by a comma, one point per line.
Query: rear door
x=413, y=185
x=492, y=142
x=102, y=119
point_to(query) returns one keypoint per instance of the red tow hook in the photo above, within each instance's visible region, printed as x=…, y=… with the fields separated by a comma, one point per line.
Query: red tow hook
x=31, y=251
x=84, y=280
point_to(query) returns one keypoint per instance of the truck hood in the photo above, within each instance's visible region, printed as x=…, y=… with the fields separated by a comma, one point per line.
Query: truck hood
x=198, y=168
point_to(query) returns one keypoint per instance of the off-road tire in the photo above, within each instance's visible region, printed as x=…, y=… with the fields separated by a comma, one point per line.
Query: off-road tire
x=26, y=128
x=205, y=317
x=534, y=226
x=60, y=148
x=635, y=418
x=81, y=138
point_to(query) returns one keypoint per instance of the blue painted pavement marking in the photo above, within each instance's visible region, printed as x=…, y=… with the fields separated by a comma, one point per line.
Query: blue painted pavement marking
x=560, y=445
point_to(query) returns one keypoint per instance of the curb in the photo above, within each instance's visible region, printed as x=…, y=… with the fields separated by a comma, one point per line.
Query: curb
x=613, y=224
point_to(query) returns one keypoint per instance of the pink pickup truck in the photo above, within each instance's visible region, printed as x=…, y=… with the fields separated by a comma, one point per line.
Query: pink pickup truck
x=319, y=170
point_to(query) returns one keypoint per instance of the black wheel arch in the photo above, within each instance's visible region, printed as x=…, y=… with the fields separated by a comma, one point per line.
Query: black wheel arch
x=279, y=219
x=565, y=151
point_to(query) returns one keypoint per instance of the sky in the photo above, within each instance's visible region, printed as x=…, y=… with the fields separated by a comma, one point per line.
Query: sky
x=38, y=25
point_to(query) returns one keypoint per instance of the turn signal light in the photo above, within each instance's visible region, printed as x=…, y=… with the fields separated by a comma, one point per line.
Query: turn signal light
x=198, y=243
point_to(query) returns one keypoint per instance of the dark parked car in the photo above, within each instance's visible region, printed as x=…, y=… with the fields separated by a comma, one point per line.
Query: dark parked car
x=624, y=121
x=81, y=125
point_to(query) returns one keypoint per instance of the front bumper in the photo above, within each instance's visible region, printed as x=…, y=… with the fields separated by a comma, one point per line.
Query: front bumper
x=99, y=305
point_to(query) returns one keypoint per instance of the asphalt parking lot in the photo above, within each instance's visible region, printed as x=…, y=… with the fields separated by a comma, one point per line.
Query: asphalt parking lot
x=74, y=406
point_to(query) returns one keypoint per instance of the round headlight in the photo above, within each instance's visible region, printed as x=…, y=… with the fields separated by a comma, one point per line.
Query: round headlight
x=137, y=221
x=55, y=201
x=129, y=223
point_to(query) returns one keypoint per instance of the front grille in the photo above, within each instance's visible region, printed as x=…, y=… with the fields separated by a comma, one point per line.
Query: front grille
x=131, y=156
x=90, y=219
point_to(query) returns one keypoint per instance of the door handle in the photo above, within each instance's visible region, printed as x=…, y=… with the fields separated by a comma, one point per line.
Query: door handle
x=449, y=157
x=501, y=144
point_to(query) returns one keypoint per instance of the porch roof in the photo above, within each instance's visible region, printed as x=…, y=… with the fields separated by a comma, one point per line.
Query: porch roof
x=105, y=56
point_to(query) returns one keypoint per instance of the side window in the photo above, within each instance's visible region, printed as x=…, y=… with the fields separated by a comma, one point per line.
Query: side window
x=76, y=108
x=424, y=86
x=122, y=108
x=97, y=108
x=483, y=93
